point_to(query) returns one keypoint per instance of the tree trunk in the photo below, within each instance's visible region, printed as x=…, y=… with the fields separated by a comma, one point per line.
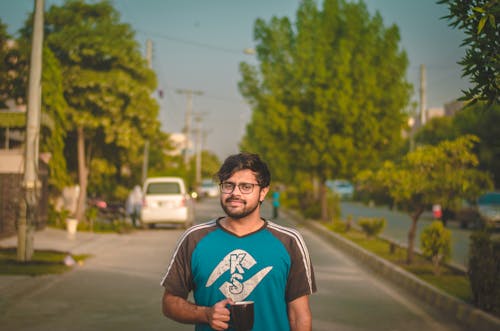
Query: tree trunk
x=411, y=235
x=324, y=202
x=82, y=174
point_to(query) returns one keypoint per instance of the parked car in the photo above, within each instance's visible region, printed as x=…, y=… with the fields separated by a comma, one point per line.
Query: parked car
x=342, y=187
x=165, y=200
x=489, y=208
x=208, y=189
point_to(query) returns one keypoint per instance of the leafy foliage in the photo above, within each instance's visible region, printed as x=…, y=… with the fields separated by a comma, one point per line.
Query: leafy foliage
x=444, y=174
x=13, y=81
x=479, y=120
x=482, y=121
x=484, y=268
x=4, y=37
x=436, y=244
x=330, y=89
x=54, y=104
x=436, y=130
x=372, y=227
x=479, y=20
x=107, y=87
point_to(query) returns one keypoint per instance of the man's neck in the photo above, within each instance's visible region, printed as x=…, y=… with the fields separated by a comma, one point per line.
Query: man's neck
x=242, y=226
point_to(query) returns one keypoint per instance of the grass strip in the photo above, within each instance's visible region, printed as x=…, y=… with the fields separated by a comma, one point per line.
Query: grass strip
x=449, y=280
x=43, y=262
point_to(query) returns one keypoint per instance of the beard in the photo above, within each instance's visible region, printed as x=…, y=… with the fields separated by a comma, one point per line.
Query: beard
x=239, y=213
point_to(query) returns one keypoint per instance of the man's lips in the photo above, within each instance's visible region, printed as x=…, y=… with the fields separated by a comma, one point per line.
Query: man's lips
x=234, y=201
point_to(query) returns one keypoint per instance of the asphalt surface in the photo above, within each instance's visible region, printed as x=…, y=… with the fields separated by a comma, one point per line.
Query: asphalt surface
x=118, y=288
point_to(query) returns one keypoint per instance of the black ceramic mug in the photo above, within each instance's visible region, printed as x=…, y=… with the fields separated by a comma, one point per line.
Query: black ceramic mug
x=242, y=315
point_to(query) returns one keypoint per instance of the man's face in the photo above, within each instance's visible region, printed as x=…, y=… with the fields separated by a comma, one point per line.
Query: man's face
x=238, y=205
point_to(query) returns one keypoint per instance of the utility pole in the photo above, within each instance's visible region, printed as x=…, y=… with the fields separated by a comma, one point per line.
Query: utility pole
x=198, y=118
x=31, y=184
x=145, y=159
x=422, y=95
x=198, y=150
x=187, y=128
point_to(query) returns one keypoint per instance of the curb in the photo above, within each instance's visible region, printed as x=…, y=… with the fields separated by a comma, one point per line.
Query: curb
x=465, y=313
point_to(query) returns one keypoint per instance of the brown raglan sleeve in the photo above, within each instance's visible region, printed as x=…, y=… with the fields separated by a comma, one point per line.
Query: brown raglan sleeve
x=177, y=279
x=301, y=279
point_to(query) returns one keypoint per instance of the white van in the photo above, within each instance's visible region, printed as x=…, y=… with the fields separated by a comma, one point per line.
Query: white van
x=165, y=200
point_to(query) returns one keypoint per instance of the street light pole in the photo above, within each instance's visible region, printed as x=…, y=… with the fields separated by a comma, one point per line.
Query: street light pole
x=31, y=184
x=423, y=100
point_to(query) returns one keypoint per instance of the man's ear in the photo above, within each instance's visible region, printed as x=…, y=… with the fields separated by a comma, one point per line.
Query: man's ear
x=263, y=193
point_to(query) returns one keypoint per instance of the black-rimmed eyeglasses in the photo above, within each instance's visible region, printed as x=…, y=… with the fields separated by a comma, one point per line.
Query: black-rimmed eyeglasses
x=245, y=188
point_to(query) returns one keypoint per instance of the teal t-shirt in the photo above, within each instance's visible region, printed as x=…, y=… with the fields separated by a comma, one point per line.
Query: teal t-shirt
x=270, y=267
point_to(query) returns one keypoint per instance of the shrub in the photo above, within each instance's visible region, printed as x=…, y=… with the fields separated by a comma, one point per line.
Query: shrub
x=337, y=226
x=371, y=226
x=435, y=242
x=312, y=211
x=117, y=225
x=57, y=218
x=484, y=268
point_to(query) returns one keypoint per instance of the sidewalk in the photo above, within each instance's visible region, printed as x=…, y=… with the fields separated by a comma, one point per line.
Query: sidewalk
x=59, y=240
x=117, y=288
x=47, y=239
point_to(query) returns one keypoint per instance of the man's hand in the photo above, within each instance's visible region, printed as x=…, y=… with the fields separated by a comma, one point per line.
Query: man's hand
x=218, y=315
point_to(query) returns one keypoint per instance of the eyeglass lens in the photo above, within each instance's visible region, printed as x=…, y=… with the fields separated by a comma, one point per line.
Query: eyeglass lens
x=246, y=188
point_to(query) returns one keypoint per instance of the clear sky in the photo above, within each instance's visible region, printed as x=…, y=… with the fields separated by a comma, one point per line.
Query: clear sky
x=198, y=45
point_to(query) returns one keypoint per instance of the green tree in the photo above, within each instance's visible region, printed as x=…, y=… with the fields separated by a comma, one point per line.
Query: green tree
x=210, y=164
x=435, y=241
x=54, y=106
x=479, y=120
x=482, y=121
x=444, y=174
x=479, y=20
x=328, y=94
x=436, y=130
x=14, y=70
x=107, y=87
x=4, y=64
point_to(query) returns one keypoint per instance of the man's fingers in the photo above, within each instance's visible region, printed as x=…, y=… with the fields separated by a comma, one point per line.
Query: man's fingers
x=219, y=325
x=220, y=315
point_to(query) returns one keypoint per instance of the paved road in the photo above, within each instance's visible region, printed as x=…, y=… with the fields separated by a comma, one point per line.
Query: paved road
x=118, y=289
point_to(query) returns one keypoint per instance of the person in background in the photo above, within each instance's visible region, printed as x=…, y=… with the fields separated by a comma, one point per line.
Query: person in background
x=240, y=257
x=134, y=204
x=276, y=203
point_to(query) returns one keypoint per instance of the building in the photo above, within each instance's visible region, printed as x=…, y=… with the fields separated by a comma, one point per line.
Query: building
x=434, y=112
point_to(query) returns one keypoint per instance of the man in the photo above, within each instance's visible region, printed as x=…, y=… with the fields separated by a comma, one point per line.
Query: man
x=240, y=257
x=276, y=204
x=134, y=204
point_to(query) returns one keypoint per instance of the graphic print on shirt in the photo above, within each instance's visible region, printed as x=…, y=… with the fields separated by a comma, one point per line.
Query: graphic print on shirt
x=236, y=262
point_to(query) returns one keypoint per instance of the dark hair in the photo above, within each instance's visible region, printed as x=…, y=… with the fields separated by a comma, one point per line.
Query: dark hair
x=244, y=161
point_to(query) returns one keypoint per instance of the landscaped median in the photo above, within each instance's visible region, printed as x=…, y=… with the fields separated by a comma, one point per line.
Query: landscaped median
x=436, y=294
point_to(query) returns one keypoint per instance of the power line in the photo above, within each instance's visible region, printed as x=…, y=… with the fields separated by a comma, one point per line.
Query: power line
x=225, y=99
x=189, y=42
